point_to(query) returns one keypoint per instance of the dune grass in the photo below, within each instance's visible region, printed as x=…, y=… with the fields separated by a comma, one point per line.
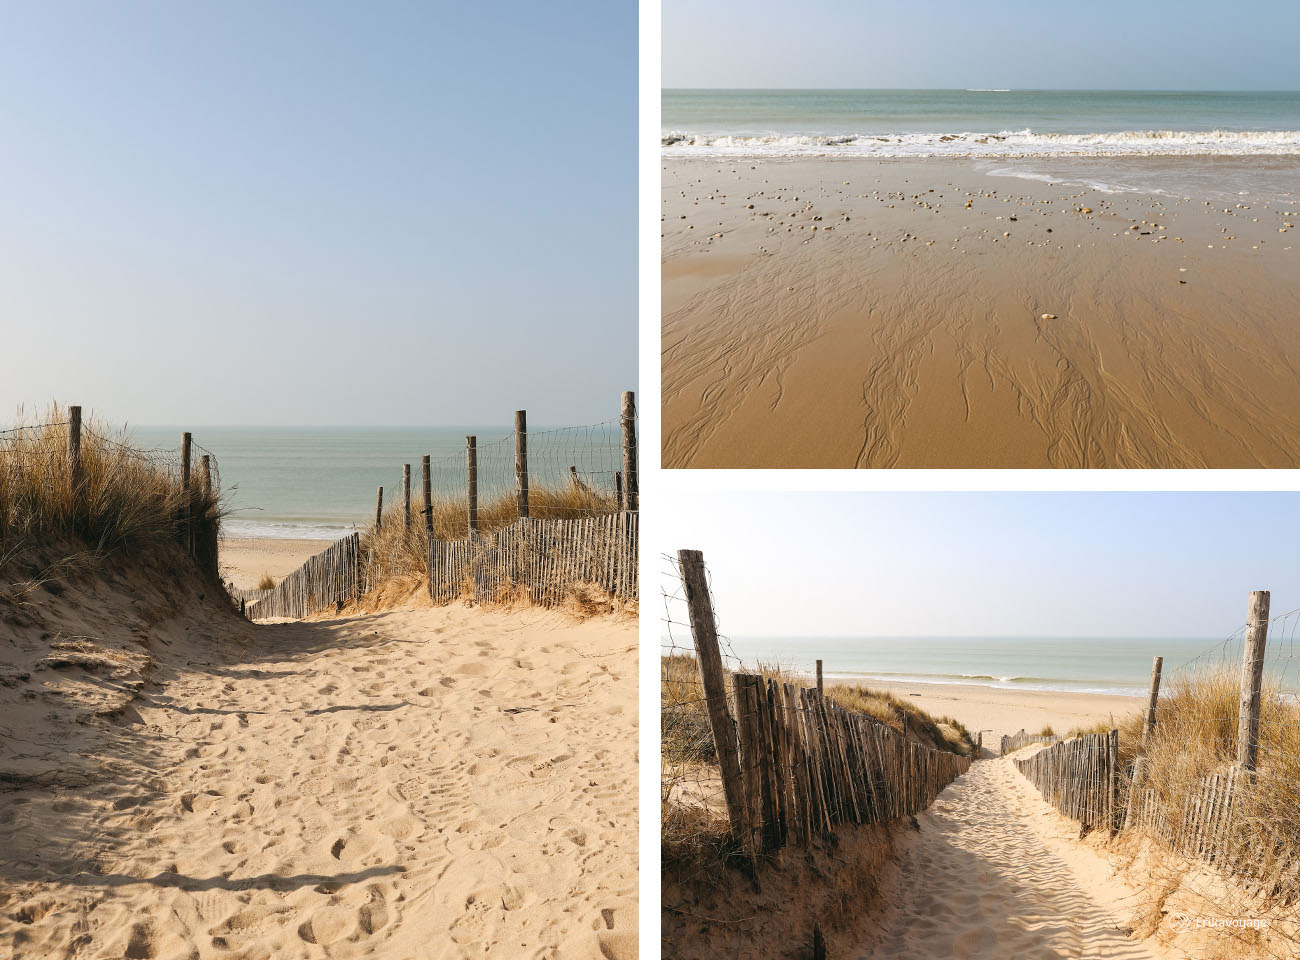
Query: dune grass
x=266, y=583
x=124, y=500
x=942, y=733
x=399, y=552
x=1196, y=736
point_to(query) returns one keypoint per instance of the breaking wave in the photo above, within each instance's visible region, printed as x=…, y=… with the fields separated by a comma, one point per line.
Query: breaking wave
x=1019, y=143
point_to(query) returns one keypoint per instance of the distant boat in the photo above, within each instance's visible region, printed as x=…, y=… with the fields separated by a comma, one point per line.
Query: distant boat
x=987, y=90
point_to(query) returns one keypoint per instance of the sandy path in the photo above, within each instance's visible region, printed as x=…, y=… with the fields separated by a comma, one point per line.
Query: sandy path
x=420, y=783
x=990, y=874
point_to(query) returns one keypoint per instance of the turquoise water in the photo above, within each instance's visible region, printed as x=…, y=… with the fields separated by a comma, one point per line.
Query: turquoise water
x=320, y=482
x=780, y=118
x=1076, y=665
x=1206, y=145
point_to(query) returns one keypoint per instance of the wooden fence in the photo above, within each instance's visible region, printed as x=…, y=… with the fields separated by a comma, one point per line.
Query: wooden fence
x=330, y=578
x=1201, y=827
x=1079, y=777
x=809, y=765
x=794, y=764
x=1022, y=739
x=546, y=558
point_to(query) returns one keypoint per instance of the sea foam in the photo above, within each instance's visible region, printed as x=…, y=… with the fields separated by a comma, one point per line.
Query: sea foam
x=1007, y=143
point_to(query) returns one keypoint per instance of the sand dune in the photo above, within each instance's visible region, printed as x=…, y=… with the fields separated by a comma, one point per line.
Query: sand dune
x=991, y=874
x=852, y=313
x=419, y=783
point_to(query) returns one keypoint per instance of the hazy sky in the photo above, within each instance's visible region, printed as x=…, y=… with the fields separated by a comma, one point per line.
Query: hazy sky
x=991, y=564
x=249, y=212
x=1103, y=44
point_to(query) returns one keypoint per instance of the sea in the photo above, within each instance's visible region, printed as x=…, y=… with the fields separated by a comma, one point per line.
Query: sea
x=1233, y=145
x=1065, y=664
x=321, y=482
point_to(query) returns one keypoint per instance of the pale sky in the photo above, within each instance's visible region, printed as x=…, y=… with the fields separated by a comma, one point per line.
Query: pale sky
x=989, y=564
x=955, y=44
x=318, y=213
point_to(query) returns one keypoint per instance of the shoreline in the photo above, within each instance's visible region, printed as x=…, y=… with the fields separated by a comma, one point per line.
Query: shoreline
x=848, y=312
x=997, y=711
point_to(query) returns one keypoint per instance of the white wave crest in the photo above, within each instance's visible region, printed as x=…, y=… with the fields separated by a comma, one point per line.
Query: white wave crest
x=1007, y=143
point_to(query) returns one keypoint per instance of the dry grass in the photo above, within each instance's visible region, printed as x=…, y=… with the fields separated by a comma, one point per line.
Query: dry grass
x=400, y=551
x=125, y=501
x=942, y=733
x=266, y=583
x=1196, y=736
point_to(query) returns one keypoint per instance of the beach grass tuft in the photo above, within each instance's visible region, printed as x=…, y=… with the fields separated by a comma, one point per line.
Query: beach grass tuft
x=124, y=499
x=398, y=552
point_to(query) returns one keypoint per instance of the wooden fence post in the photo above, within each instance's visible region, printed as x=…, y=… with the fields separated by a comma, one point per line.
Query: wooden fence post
x=1252, y=678
x=618, y=490
x=205, y=474
x=631, y=498
x=186, y=441
x=1112, y=781
x=406, y=497
x=379, y=509
x=1150, y=723
x=74, y=454
x=471, y=470
x=426, y=481
x=521, y=462
x=185, y=462
x=705, y=632
x=819, y=678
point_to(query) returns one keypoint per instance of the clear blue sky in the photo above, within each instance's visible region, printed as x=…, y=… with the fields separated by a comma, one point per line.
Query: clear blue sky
x=990, y=564
x=286, y=212
x=954, y=44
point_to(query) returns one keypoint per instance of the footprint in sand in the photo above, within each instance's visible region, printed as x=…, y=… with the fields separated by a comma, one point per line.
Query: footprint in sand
x=327, y=925
x=142, y=943
x=616, y=931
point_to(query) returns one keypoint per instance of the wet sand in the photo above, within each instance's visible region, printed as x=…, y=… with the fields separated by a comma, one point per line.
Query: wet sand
x=866, y=313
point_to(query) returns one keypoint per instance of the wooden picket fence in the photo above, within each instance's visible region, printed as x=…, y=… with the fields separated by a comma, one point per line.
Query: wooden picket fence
x=1013, y=743
x=1202, y=826
x=1079, y=777
x=547, y=558
x=330, y=578
x=809, y=765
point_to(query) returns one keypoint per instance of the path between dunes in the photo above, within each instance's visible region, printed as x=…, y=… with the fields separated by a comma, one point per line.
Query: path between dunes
x=419, y=783
x=992, y=873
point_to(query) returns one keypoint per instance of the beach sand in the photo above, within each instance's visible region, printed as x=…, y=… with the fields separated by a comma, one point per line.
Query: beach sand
x=993, y=871
x=445, y=782
x=997, y=712
x=904, y=313
x=245, y=561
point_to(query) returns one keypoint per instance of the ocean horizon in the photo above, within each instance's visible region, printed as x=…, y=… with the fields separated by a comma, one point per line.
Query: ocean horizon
x=1098, y=665
x=319, y=483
